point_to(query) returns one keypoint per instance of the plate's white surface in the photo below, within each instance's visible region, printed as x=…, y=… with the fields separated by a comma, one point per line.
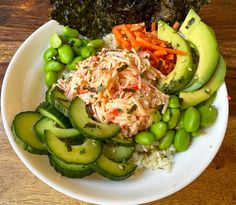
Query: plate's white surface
x=23, y=89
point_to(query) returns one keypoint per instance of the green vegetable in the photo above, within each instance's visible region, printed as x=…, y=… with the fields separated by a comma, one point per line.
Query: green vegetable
x=174, y=118
x=181, y=121
x=166, y=115
x=182, y=140
x=208, y=115
x=174, y=102
x=157, y=116
x=66, y=54
x=49, y=54
x=75, y=42
x=167, y=140
x=70, y=32
x=97, y=43
x=55, y=41
x=145, y=138
x=53, y=66
x=76, y=50
x=87, y=52
x=72, y=66
x=50, y=78
x=159, y=129
x=197, y=133
x=191, y=119
x=85, y=41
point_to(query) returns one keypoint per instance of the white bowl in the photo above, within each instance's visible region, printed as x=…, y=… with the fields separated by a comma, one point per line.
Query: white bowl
x=23, y=89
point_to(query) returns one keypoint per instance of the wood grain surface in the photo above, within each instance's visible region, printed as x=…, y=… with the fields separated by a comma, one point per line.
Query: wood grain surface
x=216, y=185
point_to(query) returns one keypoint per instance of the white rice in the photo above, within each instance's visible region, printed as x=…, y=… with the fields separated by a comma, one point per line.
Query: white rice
x=110, y=41
x=151, y=157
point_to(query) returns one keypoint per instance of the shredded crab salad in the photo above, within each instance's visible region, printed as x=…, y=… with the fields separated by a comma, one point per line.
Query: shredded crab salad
x=119, y=86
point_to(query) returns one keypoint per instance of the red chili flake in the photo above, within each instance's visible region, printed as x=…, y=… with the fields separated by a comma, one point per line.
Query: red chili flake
x=229, y=98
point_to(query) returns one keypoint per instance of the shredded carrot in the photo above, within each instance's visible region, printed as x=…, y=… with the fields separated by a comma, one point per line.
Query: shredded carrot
x=176, y=26
x=135, y=36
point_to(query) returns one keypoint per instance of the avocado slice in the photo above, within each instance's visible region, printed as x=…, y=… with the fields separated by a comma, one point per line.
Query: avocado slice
x=203, y=39
x=184, y=68
x=194, y=98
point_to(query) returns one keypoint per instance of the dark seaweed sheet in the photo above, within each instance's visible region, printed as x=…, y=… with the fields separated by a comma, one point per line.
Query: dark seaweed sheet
x=95, y=18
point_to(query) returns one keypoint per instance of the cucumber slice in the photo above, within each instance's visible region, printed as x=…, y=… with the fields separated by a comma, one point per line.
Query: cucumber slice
x=70, y=170
x=86, y=153
x=60, y=102
x=47, y=110
x=48, y=94
x=88, y=127
x=23, y=132
x=124, y=142
x=118, y=153
x=48, y=124
x=112, y=170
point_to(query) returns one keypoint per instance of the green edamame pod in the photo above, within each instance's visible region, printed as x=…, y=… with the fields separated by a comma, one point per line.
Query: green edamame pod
x=70, y=32
x=55, y=41
x=182, y=140
x=167, y=140
x=197, y=133
x=96, y=43
x=53, y=66
x=181, y=121
x=157, y=116
x=49, y=54
x=166, y=115
x=145, y=138
x=72, y=66
x=87, y=51
x=174, y=118
x=159, y=129
x=66, y=54
x=174, y=102
x=191, y=119
x=50, y=78
x=75, y=42
x=208, y=115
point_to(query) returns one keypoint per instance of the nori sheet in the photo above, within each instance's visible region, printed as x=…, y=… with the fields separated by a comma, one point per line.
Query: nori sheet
x=95, y=18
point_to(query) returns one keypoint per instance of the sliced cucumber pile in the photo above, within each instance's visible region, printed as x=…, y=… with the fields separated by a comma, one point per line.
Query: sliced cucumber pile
x=77, y=146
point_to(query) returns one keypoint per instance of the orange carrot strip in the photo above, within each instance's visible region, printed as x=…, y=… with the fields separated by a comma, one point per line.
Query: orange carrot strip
x=160, y=53
x=149, y=45
x=118, y=35
x=135, y=44
x=154, y=58
x=176, y=26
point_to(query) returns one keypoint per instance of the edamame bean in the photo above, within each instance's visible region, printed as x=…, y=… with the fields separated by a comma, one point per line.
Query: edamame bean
x=70, y=32
x=96, y=43
x=87, y=52
x=145, y=138
x=66, y=54
x=53, y=66
x=77, y=51
x=50, y=78
x=75, y=42
x=182, y=140
x=181, y=121
x=208, y=115
x=167, y=140
x=191, y=119
x=55, y=41
x=159, y=129
x=174, y=118
x=166, y=115
x=72, y=66
x=157, y=116
x=174, y=102
x=49, y=54
x=197, y=133
x=85, y=41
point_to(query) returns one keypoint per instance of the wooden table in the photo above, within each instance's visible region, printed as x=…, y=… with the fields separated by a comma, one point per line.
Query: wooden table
x=216, y=185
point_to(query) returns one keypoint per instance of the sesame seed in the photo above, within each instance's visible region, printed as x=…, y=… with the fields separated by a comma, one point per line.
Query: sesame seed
x=184, y=60
x=190, y=69
x=195, y=77
x=121, y=167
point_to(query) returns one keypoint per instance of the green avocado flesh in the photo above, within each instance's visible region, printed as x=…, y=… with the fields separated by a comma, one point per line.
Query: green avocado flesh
x=196, y=97
x=203, y=39
x=184, y=69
